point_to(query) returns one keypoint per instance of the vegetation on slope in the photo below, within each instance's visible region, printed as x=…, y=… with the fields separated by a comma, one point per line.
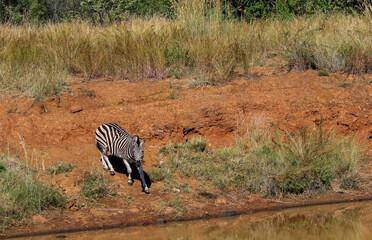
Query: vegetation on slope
x=96, y=186
x=22, y=193
x=60, y=167
x=267, y=162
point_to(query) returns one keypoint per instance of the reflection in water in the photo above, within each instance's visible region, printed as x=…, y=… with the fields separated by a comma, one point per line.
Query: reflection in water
x=338, y=221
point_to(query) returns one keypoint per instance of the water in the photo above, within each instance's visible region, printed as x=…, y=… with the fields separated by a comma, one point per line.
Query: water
x=336, y=221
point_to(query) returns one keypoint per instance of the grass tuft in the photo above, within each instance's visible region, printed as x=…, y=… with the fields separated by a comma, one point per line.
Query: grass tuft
x=177, y=205
x=344, y=84
x=158, y=175
x=60, y=167
x=96, y=186
x=323, y=72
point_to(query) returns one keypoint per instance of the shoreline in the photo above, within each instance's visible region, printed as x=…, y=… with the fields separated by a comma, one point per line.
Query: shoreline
x=218, y=213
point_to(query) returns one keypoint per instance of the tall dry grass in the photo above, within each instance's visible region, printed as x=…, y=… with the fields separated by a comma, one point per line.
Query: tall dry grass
x=201, y=43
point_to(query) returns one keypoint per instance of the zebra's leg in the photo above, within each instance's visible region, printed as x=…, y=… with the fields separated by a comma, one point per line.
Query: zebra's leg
x=129, y=170
x=111, y=169
x=103, y=152
x=106, y=162
x=145, y=188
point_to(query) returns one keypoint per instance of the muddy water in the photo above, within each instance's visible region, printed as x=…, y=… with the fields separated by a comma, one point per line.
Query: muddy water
x=336, y=221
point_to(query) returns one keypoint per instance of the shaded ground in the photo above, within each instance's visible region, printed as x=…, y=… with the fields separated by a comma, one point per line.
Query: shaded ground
x=63, y=128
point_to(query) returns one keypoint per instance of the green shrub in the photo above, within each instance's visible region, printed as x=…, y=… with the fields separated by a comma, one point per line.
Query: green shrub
x=60, y=167
x=349, y=182
x=2, y=167
x=96, y=186
x=344, y=84
x=108, y=11
x=323, y=72
x=157, y=175
x=196, y=144
x=287, y=9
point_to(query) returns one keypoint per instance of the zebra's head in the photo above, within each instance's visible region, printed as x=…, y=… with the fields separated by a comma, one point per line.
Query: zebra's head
x=138, y=150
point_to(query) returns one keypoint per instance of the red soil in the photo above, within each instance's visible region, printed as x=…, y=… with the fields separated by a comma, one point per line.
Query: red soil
x=63, y=130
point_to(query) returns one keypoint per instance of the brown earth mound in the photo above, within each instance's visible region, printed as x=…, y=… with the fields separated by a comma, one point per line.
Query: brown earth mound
x=62, y=129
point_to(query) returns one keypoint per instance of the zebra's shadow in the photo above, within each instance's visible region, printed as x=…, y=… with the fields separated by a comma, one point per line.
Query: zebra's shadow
x=118, y=165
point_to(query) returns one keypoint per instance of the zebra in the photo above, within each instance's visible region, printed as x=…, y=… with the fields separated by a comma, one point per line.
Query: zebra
x=111, y=137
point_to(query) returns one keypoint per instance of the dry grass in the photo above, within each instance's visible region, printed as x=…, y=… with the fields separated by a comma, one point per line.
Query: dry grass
x=200, y=43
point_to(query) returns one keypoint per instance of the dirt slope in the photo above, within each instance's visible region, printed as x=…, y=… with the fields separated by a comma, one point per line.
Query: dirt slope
x=159, y=111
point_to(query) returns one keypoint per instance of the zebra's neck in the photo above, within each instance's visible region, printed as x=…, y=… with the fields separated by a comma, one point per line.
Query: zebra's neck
x=128, y=153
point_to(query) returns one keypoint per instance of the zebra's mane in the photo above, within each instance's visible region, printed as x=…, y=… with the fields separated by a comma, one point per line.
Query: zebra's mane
x=120, y=130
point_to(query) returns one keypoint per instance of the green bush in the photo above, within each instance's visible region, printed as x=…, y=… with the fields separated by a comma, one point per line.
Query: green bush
x=323, y=72
x=147, y=8
x=96, y=11
x=108, y=11
x=344, y=84
x=96, y=186
x=60, y=167
x=287, y=9
x=157, y=175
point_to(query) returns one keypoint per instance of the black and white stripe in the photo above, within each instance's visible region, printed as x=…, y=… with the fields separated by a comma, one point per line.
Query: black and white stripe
x=113, y=138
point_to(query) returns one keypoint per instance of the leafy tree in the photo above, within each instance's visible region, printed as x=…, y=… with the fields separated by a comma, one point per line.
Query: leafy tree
x=289, y=8
x=119, y=9
x=150, y=7
x=104, y=11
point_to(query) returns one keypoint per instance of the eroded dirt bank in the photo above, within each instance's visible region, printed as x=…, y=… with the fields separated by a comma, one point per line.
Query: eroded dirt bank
x=160, y=111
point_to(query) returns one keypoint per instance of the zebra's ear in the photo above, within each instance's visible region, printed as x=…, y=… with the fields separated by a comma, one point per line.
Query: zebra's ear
x=136, y=139
x=143, y=142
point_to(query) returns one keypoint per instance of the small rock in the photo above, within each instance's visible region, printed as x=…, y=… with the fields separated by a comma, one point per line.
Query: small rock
x=335, y=186
x=169, y=210
x=337, y=215
x=176, y=190
x=61, y=236
x=134, y=210
x=74, y=208
x=71, y=203
x=76, y=109
x=221, y=200
x=161, y=163
x=229, y=213
x=39, y=219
